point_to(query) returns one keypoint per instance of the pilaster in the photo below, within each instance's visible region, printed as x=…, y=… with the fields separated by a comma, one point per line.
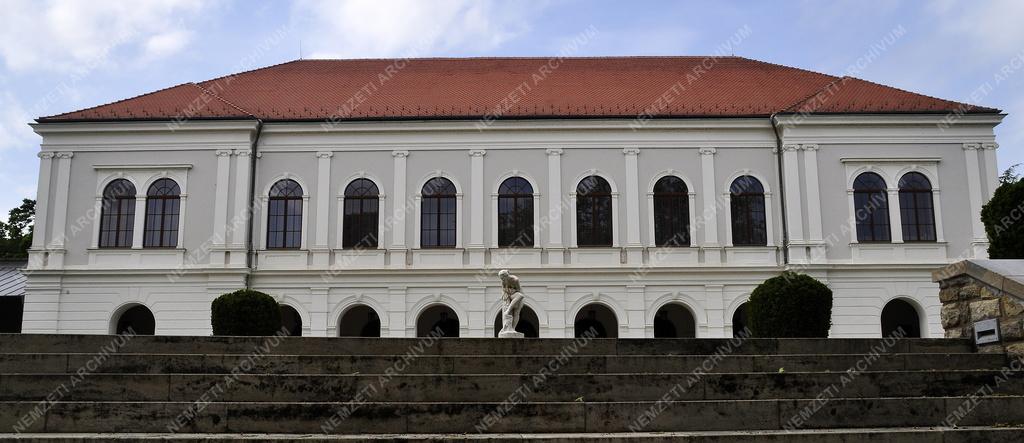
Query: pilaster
x=636, y=305
x=37, y=255
x=711, y=247
x=476, y=309
x=396, y=313
x=220, y=207
x=397, y=252
x=715, y=296
x=476, y=246
x=794, y=199
x=557, y=327
x=634, y=246
x=979, y=242
x=555, y=248
x=321, y=249
x=239, y=220
x=318, y=314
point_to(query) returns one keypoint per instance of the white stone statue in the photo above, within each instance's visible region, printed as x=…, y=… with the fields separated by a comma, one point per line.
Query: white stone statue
x=512, y=298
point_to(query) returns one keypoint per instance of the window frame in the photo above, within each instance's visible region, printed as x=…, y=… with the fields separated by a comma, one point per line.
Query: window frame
x=681, y=202
x=369, y=229
x=287, y=218
x=124, y=215
x=870, y=222
x=738, y=201
x=915, y=195
x=164, y=200
x=596, y=201
x=448, y=199
x=522, y=212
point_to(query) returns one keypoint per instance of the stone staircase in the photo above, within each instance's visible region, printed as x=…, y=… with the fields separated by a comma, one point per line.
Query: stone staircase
x=78, y=388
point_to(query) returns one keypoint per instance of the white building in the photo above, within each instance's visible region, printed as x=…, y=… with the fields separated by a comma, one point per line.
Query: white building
x=630, y=185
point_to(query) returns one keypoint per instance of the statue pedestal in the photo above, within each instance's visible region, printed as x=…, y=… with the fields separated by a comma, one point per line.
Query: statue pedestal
x=512, y=334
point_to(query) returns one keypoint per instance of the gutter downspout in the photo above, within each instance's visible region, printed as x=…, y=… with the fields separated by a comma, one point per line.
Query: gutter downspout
x=250, y=253
x=782, y=189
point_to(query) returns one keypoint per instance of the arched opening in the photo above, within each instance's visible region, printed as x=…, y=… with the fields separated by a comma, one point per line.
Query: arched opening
x=599, y=318
x=900, y=314
x=438, y=318
x=291, y=321
x=674, y=321
x=739, y=320
x=359, y=321
x=528, y=323
x=136, y=320
x=11, y=308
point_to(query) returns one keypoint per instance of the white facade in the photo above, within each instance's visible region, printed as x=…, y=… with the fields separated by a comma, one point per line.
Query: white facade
x=74, y=286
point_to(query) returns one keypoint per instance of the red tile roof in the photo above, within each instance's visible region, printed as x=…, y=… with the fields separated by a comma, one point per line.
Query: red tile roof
x=440, y=88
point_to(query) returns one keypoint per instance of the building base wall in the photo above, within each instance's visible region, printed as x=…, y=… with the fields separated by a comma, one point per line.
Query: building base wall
x=90, y=302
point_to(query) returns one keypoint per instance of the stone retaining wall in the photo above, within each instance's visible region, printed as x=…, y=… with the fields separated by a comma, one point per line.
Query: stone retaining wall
x=975, y=290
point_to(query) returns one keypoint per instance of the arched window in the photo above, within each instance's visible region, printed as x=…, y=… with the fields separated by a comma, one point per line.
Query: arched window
x=163, y=200
x=291, y=321
x=596, y=321
x=900, y=317
x=594, y=212
x=437, y=321
x=749, y=224
x=439, y=212
x=671, y=212
x=916, y=207
x=871, y=208
x=362, y=206
x=284, y=219
x=117, y=218
x=515, y=213
x=359, y=321
x=136, y=320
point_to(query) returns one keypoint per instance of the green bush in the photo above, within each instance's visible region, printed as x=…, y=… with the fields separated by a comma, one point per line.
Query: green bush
x=1003, y=217
x=790, y=305
x=245, y=312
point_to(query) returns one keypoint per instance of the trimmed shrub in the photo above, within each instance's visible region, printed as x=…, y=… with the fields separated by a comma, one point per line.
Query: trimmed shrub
x=791, y=305
x=1002, y=216
x=245, y=312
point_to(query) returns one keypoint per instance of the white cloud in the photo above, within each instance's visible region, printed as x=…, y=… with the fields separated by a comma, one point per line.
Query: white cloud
x=70, y=35
x=993, y=27
x=408, y=28
x=166, y=43
x=14, y=130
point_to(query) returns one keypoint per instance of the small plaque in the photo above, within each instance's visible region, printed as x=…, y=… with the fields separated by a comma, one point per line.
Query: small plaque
x=986, y=331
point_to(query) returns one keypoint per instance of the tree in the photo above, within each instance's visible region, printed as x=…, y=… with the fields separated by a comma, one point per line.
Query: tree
x=1003, y=217
x=16, y=233
x=790, y=306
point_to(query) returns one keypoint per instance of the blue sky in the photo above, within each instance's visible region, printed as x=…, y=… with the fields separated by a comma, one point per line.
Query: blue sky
x=62, y=55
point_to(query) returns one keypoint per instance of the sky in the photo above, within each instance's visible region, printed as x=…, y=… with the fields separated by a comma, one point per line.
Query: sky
x=63, y=55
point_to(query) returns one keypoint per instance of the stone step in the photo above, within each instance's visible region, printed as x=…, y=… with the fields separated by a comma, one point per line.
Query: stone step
x=570, y=417
x=972, y=434
x=41, y=363
x=538, y=387
x=57, y=343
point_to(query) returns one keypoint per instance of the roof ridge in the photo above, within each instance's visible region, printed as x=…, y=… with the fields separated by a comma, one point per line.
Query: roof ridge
x=46, y=117
x=794, y=68
x=527, y=57
x=236, y=74
x=962, y=104
x=799, y=103
x=218, y=97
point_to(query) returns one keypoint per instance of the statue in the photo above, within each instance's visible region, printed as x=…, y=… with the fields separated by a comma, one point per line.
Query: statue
x=512, y=299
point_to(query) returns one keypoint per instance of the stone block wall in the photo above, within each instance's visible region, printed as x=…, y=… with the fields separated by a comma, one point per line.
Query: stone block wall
x=975, y=290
